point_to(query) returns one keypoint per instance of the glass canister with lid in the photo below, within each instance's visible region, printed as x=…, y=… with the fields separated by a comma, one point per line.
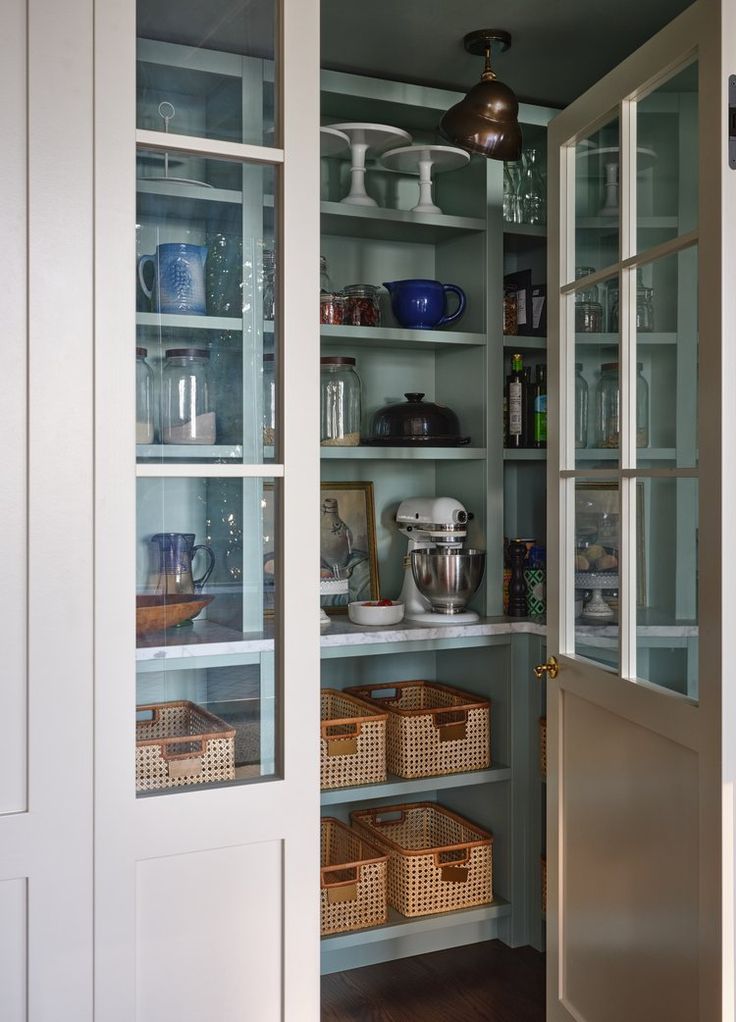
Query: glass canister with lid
x=608, y=407
x=143, y=398
x=644, y=307
x=340, y=402
x=362, y=306
x=187, y=398
x=588, y=308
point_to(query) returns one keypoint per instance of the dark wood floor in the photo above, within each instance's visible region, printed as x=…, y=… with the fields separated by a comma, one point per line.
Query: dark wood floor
x=486, y=982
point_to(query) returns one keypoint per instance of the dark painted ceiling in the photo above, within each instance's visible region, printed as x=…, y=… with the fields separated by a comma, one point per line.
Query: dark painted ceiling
x=560, y=47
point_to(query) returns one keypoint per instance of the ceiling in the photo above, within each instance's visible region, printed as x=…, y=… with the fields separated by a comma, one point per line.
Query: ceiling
x=560, y=47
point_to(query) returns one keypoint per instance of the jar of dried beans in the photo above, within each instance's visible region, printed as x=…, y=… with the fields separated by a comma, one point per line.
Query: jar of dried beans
x=362, y=307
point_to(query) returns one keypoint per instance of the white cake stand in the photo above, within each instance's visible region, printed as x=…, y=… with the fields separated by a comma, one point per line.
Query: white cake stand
x=610, y=156
x=422, y=160
x=365, y=140
x=332, y=142
x=596, y=608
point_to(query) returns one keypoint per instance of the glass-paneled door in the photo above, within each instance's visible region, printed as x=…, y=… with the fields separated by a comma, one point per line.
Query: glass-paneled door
x=209, y=639
x=634, y=712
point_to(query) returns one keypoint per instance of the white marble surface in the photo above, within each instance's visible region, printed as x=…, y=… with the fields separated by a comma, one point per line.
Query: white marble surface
x=343, y=633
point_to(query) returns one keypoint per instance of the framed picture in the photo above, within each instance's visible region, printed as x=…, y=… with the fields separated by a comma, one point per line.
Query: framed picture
x=598, y=531
x=348, y=557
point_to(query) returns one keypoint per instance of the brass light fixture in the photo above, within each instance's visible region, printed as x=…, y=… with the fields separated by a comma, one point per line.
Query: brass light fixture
x=487, y=120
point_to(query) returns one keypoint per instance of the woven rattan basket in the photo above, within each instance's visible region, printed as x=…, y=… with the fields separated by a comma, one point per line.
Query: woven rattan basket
x=353, y=743
x=438, y=861
x=180, y=743
x=543, y=746
x=432, y=729
x=352, y=880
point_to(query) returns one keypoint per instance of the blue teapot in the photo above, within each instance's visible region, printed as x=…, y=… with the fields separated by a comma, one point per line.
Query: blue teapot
x=422, y=304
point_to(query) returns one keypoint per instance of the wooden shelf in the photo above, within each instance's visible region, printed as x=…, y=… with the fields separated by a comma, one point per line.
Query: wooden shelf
x=524, y=230
x=402, y=453
x=191, y=201
x=396, y=337
x=593, y=454
x=611, y=340
x=610, y=224
x=374, y=222
x=195, y=452
x=396, y=787
x=401, y=926
x=524, y=454
x=520, y=343
x=155, y=322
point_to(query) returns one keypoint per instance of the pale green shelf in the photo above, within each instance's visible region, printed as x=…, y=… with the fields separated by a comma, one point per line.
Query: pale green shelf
x=395, y=787
x=593, y=454
x=154, y=321
x=401, y=926
x=403, y=453
x=524, y=230
x=375, y=222
x=396, y=337
x=519, y=343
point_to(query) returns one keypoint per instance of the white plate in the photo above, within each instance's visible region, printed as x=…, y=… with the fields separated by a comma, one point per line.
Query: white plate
x=378, y=137
x=406, y=159
x=332, y=142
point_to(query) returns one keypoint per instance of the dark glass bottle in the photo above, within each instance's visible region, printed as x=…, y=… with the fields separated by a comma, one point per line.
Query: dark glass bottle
x=517, y=586
x=538, y=404
x=528, y=405
x=515, y=428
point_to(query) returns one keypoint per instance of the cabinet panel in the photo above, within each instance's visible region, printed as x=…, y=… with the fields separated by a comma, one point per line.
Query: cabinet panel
x=13, y=945
x=209, y=935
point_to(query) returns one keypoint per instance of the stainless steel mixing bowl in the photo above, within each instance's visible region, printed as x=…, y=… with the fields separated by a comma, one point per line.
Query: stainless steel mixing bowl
x=448, y=578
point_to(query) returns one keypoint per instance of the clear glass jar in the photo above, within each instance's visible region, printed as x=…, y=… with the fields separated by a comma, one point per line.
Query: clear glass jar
x=331, y=308
x=608, y=407
x=362, y=307
x=324, y=278
x=588, y=309
x=269, y=285
x=341, y=398
x=143, y=398
x=187, y=399
x=269, y=401
x=533, y=198
x=644, y=310
x=581, y=407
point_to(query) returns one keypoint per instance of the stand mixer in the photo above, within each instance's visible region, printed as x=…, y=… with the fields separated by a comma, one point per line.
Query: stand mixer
x=437, y=527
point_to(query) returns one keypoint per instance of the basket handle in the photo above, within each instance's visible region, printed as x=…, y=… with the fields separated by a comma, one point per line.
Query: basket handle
x=387, y=819
x=449, y=858
x=450, y=730
x=347, y=730
x=389, y=695
x=327, y=871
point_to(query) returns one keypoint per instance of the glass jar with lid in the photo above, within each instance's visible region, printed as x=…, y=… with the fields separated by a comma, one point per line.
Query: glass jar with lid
x=588, y=308
x=644, y=308
x=331, y=308
x=143, y=398
x=608, y=407
x=187, y=398
x=269, y=284
x=581, y=407
x=362, y=307
x=269, y=400
x=340, y=402
x=324, y=278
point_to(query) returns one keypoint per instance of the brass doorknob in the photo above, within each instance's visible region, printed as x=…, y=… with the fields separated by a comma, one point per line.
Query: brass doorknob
x=551, y=669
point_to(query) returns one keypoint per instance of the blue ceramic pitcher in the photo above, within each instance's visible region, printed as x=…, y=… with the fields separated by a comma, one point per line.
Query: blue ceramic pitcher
x=178, y=279
x=422, y=304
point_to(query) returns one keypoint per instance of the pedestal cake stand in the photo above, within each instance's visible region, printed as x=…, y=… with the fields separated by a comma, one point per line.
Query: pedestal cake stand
x=367, y=140
x=422, y=160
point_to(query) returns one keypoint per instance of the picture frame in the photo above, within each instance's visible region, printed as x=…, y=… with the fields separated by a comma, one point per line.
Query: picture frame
x=348, y=550
x=598, y=521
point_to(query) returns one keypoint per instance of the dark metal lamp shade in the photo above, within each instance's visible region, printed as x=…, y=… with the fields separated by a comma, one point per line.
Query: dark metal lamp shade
x=487, y=120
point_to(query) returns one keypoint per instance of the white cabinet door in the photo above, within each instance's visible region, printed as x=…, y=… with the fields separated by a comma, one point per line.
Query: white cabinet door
x=641, y=498
x=207, y=846
x=45, y=511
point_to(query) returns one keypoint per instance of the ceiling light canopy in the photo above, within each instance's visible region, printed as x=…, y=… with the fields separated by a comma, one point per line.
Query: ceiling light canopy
x=487, y=120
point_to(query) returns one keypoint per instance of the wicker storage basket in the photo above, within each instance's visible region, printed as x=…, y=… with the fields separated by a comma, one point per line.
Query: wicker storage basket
x=353, y=743
x=438, y=861
x=432, y=729
x=181, y=743
x=543, y=746
x=352, y=880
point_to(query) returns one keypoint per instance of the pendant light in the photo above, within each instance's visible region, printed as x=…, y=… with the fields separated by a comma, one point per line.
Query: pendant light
x=487, y=120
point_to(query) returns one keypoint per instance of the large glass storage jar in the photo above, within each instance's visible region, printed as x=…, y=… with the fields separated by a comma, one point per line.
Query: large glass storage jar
x=362, y=307
x=187, y=399
x=644, y=309
x=340, y=402
x=143, y=398
x=269, y=401
x=588, y=308
x=608, y=407
x=581, y=407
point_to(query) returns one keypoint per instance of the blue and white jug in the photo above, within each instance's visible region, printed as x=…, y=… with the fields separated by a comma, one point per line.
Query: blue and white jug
x=178, y=279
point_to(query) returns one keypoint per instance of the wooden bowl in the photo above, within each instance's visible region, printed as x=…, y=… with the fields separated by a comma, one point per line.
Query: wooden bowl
x=155, y=613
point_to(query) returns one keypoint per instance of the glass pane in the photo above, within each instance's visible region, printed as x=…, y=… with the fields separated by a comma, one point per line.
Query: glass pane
x=667, y=583
x=596, y=375
x=667, y=160
x=206, y=310
x=597, y=547
x=208, y=70
x=667, y=361
x=597, y=213
x=205, y=621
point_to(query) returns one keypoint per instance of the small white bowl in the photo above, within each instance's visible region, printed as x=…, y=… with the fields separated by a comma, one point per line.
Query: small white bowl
x=360, y=614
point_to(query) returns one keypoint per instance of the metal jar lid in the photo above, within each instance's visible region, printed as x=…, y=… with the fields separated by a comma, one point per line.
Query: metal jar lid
x=187, y=353
x=141, y=352
x=336, y=360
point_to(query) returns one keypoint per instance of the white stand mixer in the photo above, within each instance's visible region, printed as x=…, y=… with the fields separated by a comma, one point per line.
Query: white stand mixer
x=429, y=523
